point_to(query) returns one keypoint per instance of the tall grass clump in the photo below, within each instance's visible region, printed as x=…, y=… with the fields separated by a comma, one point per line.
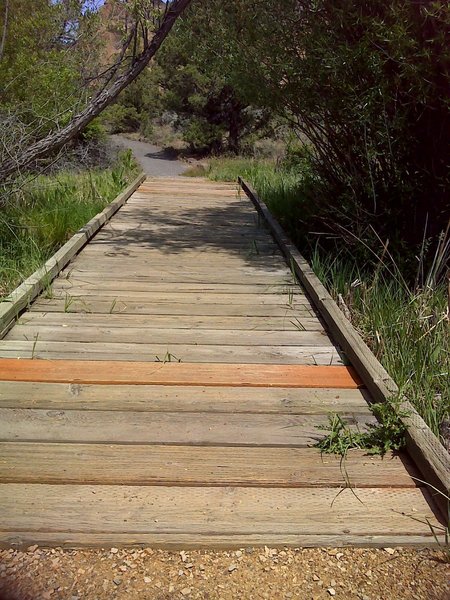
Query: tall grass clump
x=406, y=328
x=41, y=215
x=281, y=185
x=403, y=320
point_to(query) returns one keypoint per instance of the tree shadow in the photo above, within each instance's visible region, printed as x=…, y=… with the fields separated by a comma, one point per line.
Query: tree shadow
x=233, y=228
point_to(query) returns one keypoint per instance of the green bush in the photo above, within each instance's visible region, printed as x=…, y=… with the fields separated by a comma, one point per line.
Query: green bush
x=121, y=119
x=203, y=136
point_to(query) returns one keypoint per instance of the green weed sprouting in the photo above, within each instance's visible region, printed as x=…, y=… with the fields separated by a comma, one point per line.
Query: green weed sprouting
x=168, y=357
x=379, y=438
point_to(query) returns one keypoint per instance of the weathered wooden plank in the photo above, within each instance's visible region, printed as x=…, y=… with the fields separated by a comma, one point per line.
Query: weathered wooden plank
x=183, y=249
x=197, y=466
x=159, y=398
x=181, y=193
x=171, y=373
x=213, y=353
x=143, y=242
x=209, y=429
x=118, y=306
x=246, y=275
x=209, y=257
x=429, y=454
x=132, y=335
x=81, y=283
x=169, y=541
x=268, y=256
x=234, y=229
x=279, y=300
x=282, y=324
x=49, y=510
x=148, y=266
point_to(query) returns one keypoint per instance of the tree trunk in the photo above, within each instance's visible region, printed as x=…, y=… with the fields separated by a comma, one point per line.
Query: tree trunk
x=234, y=126
x=57, y=139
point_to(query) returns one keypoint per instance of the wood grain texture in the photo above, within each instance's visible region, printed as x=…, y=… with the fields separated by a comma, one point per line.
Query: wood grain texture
x=139, y=373
x=166, y=398
x=216, y=322
x=114, y=306
x=284, y=300
x=139, y=335
x=208, y=429
x=103, y=464
x=22, y=539
x=136, y=510
x=157, y=353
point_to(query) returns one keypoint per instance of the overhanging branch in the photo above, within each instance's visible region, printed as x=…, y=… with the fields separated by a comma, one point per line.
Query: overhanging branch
x=57, y=139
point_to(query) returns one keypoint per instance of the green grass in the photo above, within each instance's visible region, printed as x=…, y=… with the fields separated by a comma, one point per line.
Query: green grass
x=407, y=329
x=280, y=187
x=405, y=326
x=42, y=214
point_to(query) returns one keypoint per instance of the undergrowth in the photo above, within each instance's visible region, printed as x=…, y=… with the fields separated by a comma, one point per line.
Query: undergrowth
x=404, y=322
x=40, y=215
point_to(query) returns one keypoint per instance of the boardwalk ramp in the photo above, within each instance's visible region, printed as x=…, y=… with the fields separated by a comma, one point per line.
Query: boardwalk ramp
x=168, y=388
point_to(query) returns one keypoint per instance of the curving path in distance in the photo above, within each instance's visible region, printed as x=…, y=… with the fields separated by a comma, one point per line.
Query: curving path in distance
x=154, y=161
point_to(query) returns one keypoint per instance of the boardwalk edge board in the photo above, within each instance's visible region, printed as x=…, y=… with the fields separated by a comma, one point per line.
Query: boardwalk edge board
x=21, y=297
x=428, y=453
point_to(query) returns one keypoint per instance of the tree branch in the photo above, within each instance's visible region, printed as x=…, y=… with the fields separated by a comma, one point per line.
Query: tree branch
x=57, y=139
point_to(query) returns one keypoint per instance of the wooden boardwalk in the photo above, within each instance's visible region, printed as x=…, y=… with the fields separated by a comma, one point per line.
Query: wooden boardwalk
x=172, y=383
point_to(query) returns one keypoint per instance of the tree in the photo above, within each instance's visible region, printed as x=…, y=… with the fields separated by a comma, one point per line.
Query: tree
x=366, y=85
x=147, y=25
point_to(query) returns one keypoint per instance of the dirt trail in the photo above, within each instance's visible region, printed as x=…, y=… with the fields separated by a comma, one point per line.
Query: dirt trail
x=154, y=161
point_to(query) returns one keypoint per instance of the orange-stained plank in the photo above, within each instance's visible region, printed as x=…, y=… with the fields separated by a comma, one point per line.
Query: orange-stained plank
x=145, y=373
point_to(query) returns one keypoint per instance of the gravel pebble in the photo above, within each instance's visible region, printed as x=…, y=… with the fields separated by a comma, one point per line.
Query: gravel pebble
x=247, y=574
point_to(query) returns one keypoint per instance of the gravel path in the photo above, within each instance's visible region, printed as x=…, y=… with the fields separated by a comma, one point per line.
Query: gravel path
x=247, y=574
x=154, y=161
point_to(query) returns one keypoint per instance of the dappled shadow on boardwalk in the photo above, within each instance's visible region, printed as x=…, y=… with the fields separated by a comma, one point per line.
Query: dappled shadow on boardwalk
x=233, y=228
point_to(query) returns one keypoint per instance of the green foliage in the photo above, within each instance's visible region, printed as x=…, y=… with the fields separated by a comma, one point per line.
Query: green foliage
x=45, y=212
x=405, y=326
x=95, y=131
x=120, y=119
x=203, y=136
x=189, y=85
x=385, y=436
x=281, y=186
x=44, y=65
x=365, y=86
x=407, y=329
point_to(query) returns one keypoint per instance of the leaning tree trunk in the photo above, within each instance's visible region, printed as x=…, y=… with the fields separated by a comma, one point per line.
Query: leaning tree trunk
x=55, y=140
